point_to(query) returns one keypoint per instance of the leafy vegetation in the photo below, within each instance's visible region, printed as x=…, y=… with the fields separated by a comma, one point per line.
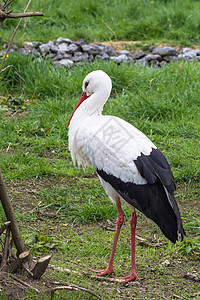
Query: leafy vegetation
x=167, y=21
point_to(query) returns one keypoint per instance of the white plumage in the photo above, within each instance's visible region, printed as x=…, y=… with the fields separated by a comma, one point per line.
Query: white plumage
x=129, y=165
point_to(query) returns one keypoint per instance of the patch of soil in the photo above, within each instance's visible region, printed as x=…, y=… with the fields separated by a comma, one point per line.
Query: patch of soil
x=120, y=45
x=160, y=280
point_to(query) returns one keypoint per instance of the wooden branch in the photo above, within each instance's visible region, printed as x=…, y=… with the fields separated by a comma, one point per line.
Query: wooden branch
x=41, y=266
x=72, y=287
x=19, y=243
x=4, y=226
x=10, y=43
x=7, y=4
x=24, y=283
x=85, y=274
x=17, y=263
x=5, y=250
x=8, y=15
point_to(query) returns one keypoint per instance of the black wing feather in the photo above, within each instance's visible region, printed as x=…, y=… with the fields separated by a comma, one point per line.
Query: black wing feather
x=154, y=199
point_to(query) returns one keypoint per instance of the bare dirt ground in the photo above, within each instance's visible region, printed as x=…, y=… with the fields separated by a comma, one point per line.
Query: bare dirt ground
x=159, y=281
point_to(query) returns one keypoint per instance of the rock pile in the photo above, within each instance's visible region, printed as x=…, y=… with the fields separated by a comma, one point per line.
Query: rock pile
x=65, y=52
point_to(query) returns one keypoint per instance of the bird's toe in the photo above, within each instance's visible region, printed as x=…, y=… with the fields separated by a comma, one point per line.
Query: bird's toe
x=128, y=278
x=106, y=271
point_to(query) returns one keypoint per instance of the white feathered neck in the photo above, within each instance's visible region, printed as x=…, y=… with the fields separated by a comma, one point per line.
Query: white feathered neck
x=97, y=85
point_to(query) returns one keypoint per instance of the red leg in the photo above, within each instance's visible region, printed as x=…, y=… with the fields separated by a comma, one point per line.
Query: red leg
x=133, y=274
x=120, y=220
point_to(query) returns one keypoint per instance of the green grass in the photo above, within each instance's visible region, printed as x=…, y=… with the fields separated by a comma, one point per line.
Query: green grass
x=163, y=103
x=41, y=179
x=167, y=21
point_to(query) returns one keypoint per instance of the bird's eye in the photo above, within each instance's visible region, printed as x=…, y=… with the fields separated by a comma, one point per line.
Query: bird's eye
x=86, y=83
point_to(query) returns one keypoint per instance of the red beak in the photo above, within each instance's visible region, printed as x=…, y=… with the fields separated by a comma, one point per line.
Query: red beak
x=83, y=97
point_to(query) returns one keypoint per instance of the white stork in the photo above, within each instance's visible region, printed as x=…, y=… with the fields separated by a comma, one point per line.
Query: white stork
x=129, y=165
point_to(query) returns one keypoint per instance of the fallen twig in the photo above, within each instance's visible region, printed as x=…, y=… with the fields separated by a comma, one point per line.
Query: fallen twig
x=143, y=242
x=99, y=278
x=72, y=287
x=5, y=250
x=24, y=283
x=4, y=226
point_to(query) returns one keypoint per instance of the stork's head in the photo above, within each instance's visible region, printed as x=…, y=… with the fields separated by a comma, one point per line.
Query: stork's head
x=96, y=88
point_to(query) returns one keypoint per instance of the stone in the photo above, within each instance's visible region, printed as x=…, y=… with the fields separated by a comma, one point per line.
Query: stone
x=54, y=48
x=79, y=53
x=35, y=53
x=28, y=45
x=14, y=47
x=60, y=55
x=101, y=48
x=154, y=63
x=94, y=49
x=85, y=56
x=64, y=63
x=63, y=46
x=65, y=52
x=23, y=51
x=126, y=52
x=183, y=57
x=63, y=40
x=85, y=48
x=91, y=57
x=98, y=56
x=165, y=51
x=36, y=44
x=80, y=42
x=119, y=59
x=142, y=61
x=78, y=56
x=139, y=55
x=192, y=53
x=44, y=49
x=184, y=50
x=170, y=58
x=163, y=63
x=109, y=50
x=72, y=48
x=165, y=263
x=150, y=57
x=105, y=56
x=11, y=51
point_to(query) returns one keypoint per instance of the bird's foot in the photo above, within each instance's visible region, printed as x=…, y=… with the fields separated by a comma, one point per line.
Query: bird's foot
x=131, y=277
x=108, y=270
